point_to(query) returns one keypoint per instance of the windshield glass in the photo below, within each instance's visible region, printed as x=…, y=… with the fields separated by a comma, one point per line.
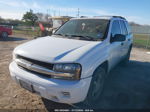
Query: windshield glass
x=94, y=29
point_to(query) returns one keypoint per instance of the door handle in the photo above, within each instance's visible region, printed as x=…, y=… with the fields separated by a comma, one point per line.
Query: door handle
x=122, y=43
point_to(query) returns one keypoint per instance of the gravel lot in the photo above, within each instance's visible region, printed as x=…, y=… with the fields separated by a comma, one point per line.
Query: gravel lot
x=125, y=88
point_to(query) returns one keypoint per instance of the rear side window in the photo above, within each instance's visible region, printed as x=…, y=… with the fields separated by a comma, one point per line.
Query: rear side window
x=128, y=27
x=115, y=28
x=123, y=28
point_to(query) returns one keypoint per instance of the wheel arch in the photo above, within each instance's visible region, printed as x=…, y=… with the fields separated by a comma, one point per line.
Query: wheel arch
x=104, y=65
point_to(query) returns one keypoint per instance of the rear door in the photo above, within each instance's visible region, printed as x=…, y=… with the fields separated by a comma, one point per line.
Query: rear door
x=130, y=35
x=125, y=44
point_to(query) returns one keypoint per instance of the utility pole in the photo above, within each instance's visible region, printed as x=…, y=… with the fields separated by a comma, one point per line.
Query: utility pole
x=54, y=13
x=67, y=12
x=47, y=11
x=59, y=12
x=47, y=16
x=78, y=13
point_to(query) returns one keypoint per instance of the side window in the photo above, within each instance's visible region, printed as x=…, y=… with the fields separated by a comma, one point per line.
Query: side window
x=123, y=28
x=115, y=28
x=128, y=27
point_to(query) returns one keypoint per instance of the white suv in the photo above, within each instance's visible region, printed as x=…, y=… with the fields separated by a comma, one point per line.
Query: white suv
x=71, y=65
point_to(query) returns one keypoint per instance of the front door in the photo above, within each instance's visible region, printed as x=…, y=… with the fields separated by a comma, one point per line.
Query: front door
x=115, y=47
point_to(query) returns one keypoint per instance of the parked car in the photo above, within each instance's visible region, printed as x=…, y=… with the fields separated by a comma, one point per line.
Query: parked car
x=5, y=31
x=71, y=65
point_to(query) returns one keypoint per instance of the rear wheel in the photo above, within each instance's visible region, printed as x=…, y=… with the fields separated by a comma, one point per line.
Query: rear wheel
x=4, y=35
x=96, y=87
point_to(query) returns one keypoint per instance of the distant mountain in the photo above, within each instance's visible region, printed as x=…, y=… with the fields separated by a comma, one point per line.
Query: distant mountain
x=134, y=24
x=138, y=28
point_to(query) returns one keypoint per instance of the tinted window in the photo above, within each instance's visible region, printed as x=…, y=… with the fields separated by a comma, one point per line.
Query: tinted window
x=128, y=27
x=123, y=28
x=115, y=28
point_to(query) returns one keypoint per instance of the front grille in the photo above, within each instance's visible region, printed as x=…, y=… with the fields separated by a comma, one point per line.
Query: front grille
x=39, y=74
x=40, y=63
x=38, y=67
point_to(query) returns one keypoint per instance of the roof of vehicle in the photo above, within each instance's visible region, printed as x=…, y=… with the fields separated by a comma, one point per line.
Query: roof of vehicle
x=5, y=27
x=102, y=17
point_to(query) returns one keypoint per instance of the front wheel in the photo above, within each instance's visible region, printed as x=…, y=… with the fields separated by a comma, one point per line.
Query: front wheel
x=96, y=87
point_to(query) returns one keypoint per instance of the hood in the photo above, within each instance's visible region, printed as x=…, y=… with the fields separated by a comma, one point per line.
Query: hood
x=53, y=49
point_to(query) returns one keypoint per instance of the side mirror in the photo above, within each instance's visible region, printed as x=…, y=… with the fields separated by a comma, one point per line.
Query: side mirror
x=118, y=38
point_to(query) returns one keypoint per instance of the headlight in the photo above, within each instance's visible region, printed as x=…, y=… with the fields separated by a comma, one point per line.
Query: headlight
x=70, y=71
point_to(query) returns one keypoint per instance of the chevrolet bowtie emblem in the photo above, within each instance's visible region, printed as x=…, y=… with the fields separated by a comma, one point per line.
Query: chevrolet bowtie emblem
x=28, y=65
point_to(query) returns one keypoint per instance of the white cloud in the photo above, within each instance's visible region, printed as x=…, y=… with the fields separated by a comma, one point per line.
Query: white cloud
x=11, y=15
x=10, y=3
x=132, y=18
x=57, y=9
x=21, y=4
x=24, y=4
x=36, y=5
x=101, y=12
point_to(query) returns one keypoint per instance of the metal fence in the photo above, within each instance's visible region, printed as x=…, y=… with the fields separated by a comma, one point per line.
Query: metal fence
x=26, y=31
x=141, y=36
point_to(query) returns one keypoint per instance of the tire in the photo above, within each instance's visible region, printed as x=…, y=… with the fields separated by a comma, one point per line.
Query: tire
x=125, y=61
x=4, y=35
x=96, y=87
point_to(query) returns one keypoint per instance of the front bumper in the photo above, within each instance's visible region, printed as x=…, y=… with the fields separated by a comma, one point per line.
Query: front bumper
x=53, y=89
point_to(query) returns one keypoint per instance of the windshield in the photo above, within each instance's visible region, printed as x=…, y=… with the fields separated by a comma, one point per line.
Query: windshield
x=91, y=29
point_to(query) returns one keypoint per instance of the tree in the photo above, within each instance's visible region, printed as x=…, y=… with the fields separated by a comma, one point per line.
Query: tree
x=1, y=19
x=30, y=18
x=43, y=17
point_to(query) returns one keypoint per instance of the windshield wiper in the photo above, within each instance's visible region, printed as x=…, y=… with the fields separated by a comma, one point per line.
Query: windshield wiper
x=59, y=34
x=63, y=35
x=80, y=36
x=83, y=37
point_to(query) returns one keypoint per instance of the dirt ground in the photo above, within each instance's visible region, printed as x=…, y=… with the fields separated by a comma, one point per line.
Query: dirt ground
x=125, y=88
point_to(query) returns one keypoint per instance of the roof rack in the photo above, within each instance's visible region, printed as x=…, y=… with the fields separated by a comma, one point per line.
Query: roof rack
x=112, y=17
x=119, y=17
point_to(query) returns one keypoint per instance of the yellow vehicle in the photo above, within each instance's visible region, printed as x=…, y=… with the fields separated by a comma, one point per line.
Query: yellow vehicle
x=57, y=21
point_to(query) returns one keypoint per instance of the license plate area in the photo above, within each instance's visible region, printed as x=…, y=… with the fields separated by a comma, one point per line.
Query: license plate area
x=26, y=86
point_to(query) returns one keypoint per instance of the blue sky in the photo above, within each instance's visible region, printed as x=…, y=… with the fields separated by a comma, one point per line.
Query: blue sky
x=134, y=10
